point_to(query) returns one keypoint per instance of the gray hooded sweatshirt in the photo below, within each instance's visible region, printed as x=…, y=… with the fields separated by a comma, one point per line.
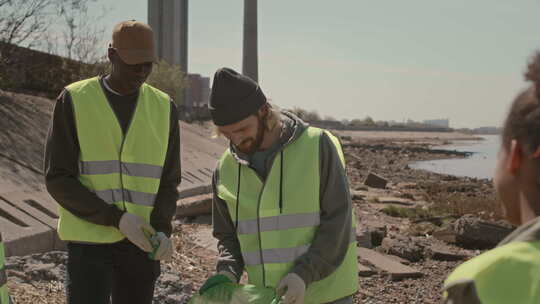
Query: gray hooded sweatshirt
x=330, y=244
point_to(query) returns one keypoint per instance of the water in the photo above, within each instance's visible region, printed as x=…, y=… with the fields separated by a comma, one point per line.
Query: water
x=481, y=164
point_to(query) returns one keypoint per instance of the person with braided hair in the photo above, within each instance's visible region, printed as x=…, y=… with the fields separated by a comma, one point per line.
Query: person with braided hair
x=510, y=273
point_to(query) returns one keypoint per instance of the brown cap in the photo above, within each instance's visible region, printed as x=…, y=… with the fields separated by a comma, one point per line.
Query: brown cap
x=134, y=42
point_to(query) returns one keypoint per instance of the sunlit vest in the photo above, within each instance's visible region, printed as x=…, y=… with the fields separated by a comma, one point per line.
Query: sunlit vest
x=272, y=238
x=121, y=170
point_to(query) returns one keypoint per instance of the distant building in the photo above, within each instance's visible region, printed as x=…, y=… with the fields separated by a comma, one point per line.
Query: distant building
x=198, y=92
x=445, y=123
x=169, y=20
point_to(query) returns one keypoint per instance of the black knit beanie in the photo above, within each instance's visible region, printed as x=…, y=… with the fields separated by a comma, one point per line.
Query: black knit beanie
x=234, y=97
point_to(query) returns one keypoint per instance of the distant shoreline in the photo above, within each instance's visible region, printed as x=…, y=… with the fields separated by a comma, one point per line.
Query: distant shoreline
x=432, y=138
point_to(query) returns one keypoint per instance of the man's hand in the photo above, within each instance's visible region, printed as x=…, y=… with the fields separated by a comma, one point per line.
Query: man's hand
x=132, y=226
x=292, y=288
x=221, y=277
x=165, y=249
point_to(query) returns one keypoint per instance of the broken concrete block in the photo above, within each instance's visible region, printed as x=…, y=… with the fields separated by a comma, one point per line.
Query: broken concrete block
x=378, y=233
x=358, y=195
x=443, y=253
x=194, y=206
x=396, y=270
x=446, y=234
x=403, y=247
x=363, y=237
x=375, y=181
x=22, y=233
x=398, y=259
x=395, y=200
x=365, y=271
x=41, y=207
x=472, y=232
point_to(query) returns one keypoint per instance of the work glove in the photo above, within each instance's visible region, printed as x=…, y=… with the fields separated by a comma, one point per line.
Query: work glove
x=219, y=278
x=132, y=226
x=165, y=250
x=292, y=288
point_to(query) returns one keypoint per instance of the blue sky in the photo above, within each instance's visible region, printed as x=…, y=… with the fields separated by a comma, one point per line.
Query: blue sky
x=391, y=60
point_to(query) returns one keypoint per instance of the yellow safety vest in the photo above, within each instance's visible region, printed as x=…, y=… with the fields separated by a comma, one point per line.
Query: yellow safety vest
x=272, y=237
x=121, y=170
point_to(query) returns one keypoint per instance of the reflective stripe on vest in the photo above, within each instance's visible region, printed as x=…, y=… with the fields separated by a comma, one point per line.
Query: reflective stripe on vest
x=506, y=274
x=279, y=255
x=121, y=169
x=114, y=166
x=4, y=297
x=262, y=224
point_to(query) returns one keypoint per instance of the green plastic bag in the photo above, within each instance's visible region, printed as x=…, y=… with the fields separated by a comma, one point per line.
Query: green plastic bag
x=232, y=293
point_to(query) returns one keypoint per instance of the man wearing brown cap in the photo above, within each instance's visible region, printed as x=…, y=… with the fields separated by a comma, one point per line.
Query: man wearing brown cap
x=282, y=209
x=112, y=163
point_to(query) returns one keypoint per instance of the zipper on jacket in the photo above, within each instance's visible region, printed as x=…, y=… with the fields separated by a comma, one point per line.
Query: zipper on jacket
x=259, y=233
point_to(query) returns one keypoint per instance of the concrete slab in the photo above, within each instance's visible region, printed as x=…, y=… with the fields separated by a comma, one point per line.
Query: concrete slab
x=363, y=237
x=395, y=269
x=38, y=205
x=375, y=181
x=194, y=205
x=365, y=271
x=204, y=238
x=358, y=195
x=395, y=200
x=200, y=154
x=445, y=253
x=22, y=233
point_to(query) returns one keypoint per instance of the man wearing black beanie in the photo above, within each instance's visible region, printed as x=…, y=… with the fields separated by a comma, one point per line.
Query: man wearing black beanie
x=282, y=209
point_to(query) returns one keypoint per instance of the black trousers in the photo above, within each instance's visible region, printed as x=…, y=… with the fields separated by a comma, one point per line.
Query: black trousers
x=118, y=272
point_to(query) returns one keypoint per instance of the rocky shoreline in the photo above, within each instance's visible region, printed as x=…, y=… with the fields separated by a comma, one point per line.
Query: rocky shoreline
x=417, y=221
x=418, y=218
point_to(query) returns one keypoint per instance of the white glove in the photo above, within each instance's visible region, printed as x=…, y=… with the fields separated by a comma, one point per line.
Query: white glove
x=132, y=226
x=165, y=249
x=293, y=287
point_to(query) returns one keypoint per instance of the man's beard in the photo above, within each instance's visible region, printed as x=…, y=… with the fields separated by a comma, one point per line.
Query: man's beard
x=250, y=145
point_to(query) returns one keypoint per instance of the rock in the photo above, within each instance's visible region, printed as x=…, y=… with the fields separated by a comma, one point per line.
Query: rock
x=375, y=181
x=378, y=233
x=472, y=232
x=406, y=195
x=358, y=195
x=398, y=259
x=170, y=288
x=407, y=185
x=365, y=271
x=446, y=234
x=194, y=206
x=363, y=237
x=50, y=266
x=403, y=247
x=395, y=200
x=443, y=253
x=396, y=270
x=361, y=188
